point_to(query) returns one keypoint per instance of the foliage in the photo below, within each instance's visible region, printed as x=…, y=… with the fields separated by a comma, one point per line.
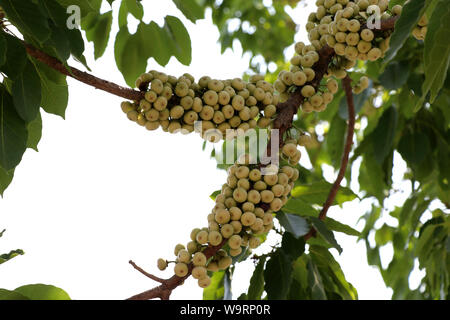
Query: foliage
x=403, y=116
x=34, y=292
x=12, y=254
x=29, y=292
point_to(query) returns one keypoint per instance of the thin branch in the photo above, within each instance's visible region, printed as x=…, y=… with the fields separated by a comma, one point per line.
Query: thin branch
x=346, y=82
x=164, y=290
x=84, y=77
x=145, y=273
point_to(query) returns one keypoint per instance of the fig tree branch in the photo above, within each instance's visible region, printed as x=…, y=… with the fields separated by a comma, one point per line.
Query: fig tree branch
x=145, y=273
x=164, y=290
x=347, y=84
x=84, y=77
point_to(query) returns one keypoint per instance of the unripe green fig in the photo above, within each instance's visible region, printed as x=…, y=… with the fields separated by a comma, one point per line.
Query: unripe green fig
x=162, y=264
x=181, y=269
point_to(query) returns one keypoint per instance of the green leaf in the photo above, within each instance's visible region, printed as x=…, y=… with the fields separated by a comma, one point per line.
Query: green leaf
x=408, y=206
x=55, y=92
x=384, y=235
x=2, y=49
x=216, y=289
x=59, y=44
x=256, y=288
x=300, y=207
x=242, y=297
x=191, y=9
x=371, y=177
x=12, y=254
x=293, y=247
x=135, y=8
x=395, y=75
x=383, y=135
x=26, y=16
x=215, y=194
x=42, y=292
x=340, y=227
x=411, y=13
x=413, y=217
x=129, y=6
x=86, y=6
x=11, y=295
x=335, y=139
x=425, y=243
x=6, y=178
x=330, y=269
x=98, y=28
x=328, y=235
x=27, y=94
x=16, y=56
x=277, y=276
x=123, y=15
x=159, y=47
x=315, y=282
x=74, y=41
x=130, y=56
x=13, y=132
x=373, y=255
x=317, y=193
x=34, y=132
x=414, y=147
x=300, y=275
x=180, y=39
x=294, y=224
x=444, y=168
x=436, y=51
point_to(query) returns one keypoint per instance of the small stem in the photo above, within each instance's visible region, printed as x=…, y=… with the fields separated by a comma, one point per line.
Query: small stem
x=145, y=273
x=84, y=77
x=347, y=84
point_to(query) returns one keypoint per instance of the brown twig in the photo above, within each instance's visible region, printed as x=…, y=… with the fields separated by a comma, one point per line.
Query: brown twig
x=164, y=290
x=84, y=77
x=346, y=82
x=145, y=273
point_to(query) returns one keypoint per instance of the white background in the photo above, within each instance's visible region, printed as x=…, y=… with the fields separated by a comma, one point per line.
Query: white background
x=102, y=190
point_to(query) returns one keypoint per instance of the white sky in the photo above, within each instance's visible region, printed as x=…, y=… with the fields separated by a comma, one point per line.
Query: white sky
x=103, y=190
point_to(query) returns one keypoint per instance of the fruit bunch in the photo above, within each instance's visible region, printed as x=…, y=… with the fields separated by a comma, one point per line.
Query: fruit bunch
x=245, y=207
x=300, y=77
x=346, y=26
x=343, y=26
x=243, y=211
x=183, y=105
